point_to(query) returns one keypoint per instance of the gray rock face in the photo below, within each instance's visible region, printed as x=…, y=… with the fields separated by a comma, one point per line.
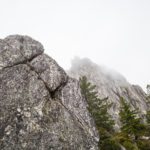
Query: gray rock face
x=110, y=84
x=16, y=49
x=41, y=108
x=79, y=107
x=49, y=71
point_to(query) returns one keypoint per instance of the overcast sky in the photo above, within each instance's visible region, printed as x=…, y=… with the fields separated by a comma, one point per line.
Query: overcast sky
x=115, y=33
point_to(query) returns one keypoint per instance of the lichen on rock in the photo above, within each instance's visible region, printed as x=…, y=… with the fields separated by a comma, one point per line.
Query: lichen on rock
x=40, y=106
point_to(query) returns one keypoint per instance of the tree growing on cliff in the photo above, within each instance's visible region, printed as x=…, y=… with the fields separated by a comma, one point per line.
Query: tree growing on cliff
x=132, y=128
x=97, y=107
x=148, y=123
x=148, y=117
x=131, y=124
x=99, y=111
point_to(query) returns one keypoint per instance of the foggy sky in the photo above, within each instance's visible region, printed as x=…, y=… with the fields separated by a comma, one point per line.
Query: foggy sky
x=114, y=33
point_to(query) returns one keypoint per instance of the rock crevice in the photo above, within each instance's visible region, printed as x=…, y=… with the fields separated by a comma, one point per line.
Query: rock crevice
x=40, y=106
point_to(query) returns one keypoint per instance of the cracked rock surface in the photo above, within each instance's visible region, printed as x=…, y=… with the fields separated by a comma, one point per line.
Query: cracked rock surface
x=41, y=108
x=111, y=84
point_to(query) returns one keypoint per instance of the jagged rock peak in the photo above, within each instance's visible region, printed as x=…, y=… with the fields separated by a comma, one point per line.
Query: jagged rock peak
x=110, y=84
x=40, y=106
x=86, y=65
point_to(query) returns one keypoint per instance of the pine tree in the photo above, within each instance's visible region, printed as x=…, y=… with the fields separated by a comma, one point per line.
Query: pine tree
x=132, y=125
x=99, y=111
x=148, y=113
x=97, y=107
x=148, y=117
x=148, y=123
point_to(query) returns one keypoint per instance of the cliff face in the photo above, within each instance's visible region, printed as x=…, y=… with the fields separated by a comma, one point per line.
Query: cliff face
x=40, y=106
x=110, y=83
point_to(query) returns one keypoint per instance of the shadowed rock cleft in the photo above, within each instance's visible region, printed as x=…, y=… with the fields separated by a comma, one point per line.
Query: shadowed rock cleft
x=40, y=106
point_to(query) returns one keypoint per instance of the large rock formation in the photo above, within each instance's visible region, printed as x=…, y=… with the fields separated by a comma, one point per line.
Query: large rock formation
x=41, y=108
x=110, y=84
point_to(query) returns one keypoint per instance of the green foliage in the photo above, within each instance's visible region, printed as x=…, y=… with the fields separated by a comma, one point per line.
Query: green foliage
x=110, y=144
x=99, y=111
x=144, y=144
x=96, y=106
x=130, y=145
x=132, y=127
x=107, y=141
x=125, y=141
x=148, y=123
x=131, y=123
x=148, y=117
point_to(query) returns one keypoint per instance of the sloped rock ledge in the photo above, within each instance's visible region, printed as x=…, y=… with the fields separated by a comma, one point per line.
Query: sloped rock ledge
x=40, y=106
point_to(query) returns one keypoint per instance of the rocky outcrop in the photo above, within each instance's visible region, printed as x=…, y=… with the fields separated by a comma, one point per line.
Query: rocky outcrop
x=110, y=84
x=41, y=108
